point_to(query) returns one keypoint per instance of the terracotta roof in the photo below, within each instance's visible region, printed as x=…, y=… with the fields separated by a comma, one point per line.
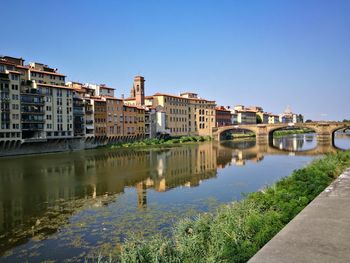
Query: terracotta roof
x=14, y=72
x=112, y=98
x=54, y=86
x=105, y=87
x=134, y=106
x=180, y=97
x=129, y=99
x=221, y=108
x=79, y=90
x=245, y=110
x=99, y=100
x=46, y=72
x=95, y=97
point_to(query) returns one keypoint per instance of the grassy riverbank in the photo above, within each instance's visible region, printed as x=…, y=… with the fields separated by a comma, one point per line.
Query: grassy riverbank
x=289, y=132
x=279, y=133
x=238, y=230
x=242, y=135
x=160, y=142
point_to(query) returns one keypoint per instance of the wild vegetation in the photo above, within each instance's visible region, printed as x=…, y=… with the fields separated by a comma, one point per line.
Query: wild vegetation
x=281, y=133
x=238, y=230
x=241, y=135
x=159, y=142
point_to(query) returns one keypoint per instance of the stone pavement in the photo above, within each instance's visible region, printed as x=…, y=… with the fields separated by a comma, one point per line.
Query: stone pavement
x=319, y=233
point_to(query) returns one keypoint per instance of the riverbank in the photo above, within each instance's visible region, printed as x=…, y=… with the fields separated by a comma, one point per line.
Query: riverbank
x=324, y=223
x=238, y=230
x=282, y=133
x=279, y=133
x=161, y=142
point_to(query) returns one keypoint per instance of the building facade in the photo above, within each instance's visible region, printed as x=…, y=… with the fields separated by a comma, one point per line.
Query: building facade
x=100, y=117
x=134, y=121
x=42, y=104
x=223, y=116
x=114, y=117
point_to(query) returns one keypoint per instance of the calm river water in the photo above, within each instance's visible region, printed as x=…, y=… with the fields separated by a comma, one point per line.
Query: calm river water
x=69, y=206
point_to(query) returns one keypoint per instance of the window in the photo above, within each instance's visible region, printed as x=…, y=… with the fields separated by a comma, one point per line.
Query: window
x=14, y=77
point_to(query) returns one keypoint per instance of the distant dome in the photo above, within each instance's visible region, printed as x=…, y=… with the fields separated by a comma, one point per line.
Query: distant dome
x=288, y=110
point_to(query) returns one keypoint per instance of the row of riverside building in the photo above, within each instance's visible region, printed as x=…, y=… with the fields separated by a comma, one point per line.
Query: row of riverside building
x=253, y=115
x=38, y=104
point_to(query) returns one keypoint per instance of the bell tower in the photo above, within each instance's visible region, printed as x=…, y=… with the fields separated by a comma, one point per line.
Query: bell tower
x=139, y=90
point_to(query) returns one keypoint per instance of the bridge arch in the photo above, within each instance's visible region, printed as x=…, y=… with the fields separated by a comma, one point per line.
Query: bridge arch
x=345, y=127
x=285, y=126
x=224, y=129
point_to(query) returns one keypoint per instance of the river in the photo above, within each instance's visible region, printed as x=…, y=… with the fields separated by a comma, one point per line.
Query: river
x=70, y=206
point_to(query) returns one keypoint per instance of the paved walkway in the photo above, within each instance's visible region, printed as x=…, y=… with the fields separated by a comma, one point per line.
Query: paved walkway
x=320, y=233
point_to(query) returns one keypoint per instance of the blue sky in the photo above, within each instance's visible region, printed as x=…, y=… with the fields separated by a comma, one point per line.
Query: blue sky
x=271, y=53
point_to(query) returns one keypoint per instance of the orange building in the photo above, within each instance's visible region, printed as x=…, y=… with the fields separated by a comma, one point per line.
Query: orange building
x=223, y=116
x=114, y=123
x=100, y=116
x=134, y=120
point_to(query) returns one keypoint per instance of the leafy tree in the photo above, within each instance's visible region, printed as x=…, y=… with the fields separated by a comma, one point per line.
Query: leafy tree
x=258, y=119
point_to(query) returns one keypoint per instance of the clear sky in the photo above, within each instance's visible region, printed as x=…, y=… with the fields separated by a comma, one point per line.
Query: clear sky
x=271, y=53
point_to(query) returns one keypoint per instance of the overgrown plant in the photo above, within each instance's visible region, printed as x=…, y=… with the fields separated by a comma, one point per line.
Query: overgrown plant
x=238, y=230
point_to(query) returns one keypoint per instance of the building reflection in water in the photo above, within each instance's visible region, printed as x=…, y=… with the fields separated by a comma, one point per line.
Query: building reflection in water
x=49, y=188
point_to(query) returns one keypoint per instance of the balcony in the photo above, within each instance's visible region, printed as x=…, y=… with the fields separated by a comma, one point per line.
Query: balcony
x=7, y=110
x=32, y=127
x=32, y=92
x=32, y=121
x=5, y=119
x=5, y=90
x=78, y=111
x=32, y=100
x=5, y=99
x=38, y=112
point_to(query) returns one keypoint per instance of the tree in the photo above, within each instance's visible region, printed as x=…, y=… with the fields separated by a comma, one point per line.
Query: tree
x=345, y=120
x=258, y=119
x=307, y=121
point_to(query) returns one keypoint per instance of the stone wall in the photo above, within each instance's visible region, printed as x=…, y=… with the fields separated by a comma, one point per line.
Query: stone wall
x=55, y=145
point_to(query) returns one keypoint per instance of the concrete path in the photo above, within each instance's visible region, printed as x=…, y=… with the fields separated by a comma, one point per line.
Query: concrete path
x=320, y=233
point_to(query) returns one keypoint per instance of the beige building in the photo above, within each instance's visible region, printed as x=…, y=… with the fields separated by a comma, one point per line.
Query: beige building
x=114, y=117
x=10, y=108
x=273, y=118
x=41, y=104
x=202, y=116
x=186, y=114
x=246, y=117
x=263, y=116
x=58, y=99
x=134, y=120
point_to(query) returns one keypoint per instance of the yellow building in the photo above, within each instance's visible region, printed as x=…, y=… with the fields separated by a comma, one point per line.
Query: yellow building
x=134, y=121
x=186, y=114
x=202, y=117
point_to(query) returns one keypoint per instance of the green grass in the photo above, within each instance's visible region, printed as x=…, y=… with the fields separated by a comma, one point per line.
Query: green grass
x=281, y=133
x=160, y=142
x=241, y=135
x=238, y=230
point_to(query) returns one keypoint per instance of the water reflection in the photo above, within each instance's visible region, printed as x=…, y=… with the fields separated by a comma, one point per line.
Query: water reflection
x=44, y=194
x=342, y=139
x=295, y=142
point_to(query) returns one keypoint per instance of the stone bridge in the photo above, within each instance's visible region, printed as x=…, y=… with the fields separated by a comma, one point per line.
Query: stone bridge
x=271, y=149
x=264, y=132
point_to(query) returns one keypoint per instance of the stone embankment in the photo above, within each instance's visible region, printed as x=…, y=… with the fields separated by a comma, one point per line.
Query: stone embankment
x=319, y=233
